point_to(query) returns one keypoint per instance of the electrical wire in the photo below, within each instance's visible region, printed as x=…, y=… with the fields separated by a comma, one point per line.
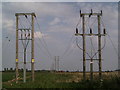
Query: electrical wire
x=109, y=37
x=69, y=52
x=92, y=46
x=80, y=47
x=41, y=48
x=43, y=38
x=79, y=22
x=113, y=44
x=67, y=48
x=43, y=45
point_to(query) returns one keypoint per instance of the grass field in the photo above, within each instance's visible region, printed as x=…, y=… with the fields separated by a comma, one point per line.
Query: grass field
x=61, y=80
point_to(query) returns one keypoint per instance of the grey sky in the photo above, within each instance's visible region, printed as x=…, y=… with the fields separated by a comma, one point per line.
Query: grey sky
x=57, y=23
x=60, y=1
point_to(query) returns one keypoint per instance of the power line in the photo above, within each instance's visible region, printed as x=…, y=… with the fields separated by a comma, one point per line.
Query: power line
x=43, y=39
x=109, y=37
x=38, y=46
x=112, y=44
x=43, y=45
x=73, y=46
x=67, y=48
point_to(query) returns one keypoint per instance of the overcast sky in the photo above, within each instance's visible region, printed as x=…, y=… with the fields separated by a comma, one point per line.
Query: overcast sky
x=58, y=23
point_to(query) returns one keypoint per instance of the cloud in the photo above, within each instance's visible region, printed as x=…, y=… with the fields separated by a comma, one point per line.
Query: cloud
x=55, y=21
x=38, y=34
x=8, y=24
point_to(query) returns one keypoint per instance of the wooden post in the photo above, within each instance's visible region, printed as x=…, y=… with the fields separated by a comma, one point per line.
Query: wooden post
x=16, y=48
x=91, y=69
x=32, y=48
x=84, y=49
x=99, y=48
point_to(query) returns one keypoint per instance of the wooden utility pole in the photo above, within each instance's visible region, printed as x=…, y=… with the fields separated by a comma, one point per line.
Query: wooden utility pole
x=84, y=49
x=91, y=62
x=99, y=48
x=25, y=35
x=91, y=69
x=84, y=44
x=32, y=48
x=16, y=48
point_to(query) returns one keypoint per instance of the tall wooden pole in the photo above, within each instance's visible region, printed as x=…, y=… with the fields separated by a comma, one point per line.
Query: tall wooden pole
x=24, y=74
x=99, y=48
x=91, y=63
x=84, y=49
x=91, y=69
x=16, y=48
x=32, y=48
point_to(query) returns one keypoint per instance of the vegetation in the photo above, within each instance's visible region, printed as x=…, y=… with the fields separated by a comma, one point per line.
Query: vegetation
x=61, y=80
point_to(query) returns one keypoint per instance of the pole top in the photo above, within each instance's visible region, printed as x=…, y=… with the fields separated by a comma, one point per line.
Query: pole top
x=91, y=13
x=19, y=14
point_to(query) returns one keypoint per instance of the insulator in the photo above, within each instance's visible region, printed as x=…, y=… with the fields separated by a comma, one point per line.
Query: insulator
x=90, y=31
x=104, y=31
x=90, y=14
x=80, y=11
x=26, y=16
x=21, y=35
x=29, y=35
x=80, y=14
x=101, y=12
x=25, y=34
x=76, y=30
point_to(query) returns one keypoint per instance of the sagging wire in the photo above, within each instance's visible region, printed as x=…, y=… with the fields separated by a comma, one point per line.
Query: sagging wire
x=67, y=49
x=109, y=37
x=92, y=46
x=79, y=22
x=43, y=39
x=87, y=52
x=38, y=36
x=43, y=45
x=69, y=45
x=80, y=47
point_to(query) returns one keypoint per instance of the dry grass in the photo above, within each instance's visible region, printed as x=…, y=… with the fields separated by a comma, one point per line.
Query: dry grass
x=78, y=76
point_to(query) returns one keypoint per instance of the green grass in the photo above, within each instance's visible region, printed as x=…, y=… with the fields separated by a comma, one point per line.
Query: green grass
x=6, y=76
x=57, y=80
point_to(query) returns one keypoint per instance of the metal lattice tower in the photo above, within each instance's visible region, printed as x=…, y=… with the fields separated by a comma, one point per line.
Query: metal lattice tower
x=25, y=35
